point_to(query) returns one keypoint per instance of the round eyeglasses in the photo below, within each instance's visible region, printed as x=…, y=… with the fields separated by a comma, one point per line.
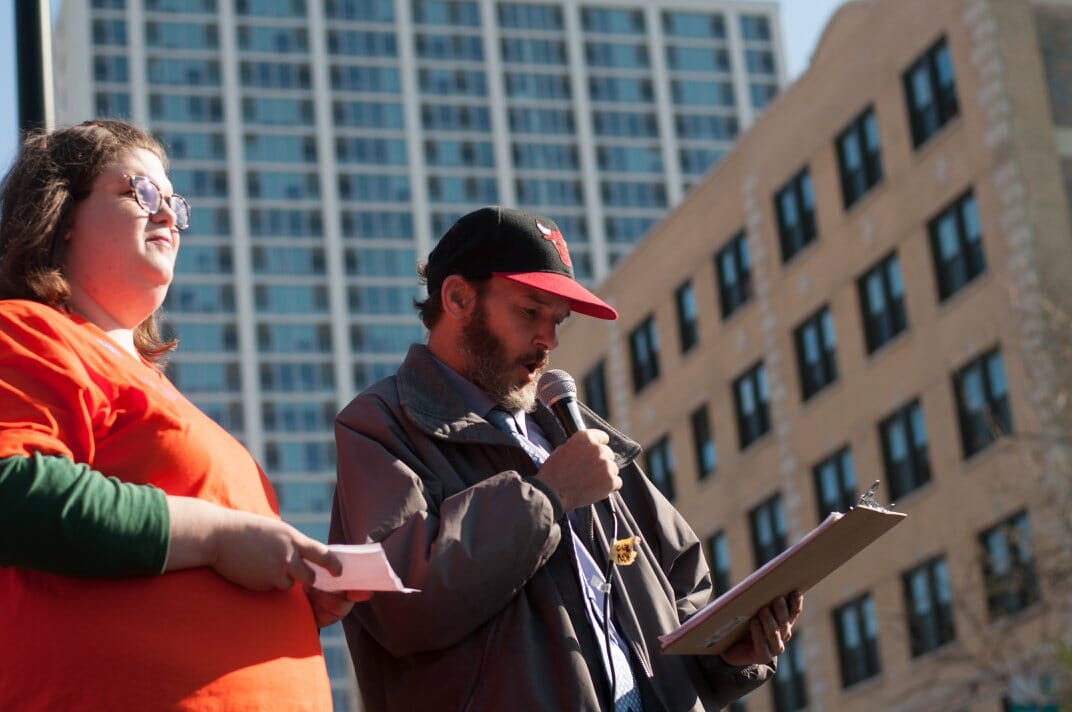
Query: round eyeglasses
x=148, y=195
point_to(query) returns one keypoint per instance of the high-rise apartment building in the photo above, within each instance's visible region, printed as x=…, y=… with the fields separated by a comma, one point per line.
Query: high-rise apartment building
x=876, y=284
x=326, y=144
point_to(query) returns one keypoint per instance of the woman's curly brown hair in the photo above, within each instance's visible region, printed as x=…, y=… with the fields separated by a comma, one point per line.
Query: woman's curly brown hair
x=51, y=174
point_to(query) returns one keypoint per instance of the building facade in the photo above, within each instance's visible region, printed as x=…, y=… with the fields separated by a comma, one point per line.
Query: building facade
x=874, y=284
x=326, y=144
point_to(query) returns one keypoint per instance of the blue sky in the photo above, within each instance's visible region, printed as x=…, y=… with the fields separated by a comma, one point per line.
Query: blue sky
x=802, y=23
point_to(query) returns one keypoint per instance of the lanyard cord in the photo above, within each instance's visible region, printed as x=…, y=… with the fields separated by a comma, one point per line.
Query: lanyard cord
x=607, y=577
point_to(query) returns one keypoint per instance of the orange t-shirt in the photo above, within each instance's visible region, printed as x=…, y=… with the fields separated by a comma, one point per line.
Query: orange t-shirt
x=182, y=640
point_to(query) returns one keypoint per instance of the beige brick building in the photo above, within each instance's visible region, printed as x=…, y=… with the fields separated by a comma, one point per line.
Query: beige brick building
x=874, y=284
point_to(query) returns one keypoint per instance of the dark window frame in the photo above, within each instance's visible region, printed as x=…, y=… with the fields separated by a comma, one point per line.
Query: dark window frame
x=688, y=325
x=1010, y=591
x=644, y=353
x=933, y=627
x=794, y=210
x=913, y=470
x=718, y=556
x=927, y=120
x=862, y=136
x=769, y=514
x=754, y=425
x=789, y=688
x=858, y=656
x=702, y=439
x=594, y=383
x=817, y=331
x=733, y=269
x=981, y=427
x=841, y=467
x=883, y=325
x=660, y=467
x=952, y=272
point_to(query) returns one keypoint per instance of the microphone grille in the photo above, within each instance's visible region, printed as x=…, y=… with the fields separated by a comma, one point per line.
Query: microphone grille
x=555, y=385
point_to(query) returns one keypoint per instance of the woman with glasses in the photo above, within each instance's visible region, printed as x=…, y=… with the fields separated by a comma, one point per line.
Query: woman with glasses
x=142, y=561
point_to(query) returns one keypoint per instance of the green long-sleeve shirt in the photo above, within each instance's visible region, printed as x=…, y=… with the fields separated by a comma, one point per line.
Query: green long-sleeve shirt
x=63, y=517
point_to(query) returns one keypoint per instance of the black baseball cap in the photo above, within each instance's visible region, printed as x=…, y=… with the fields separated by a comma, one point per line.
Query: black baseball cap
x=515, y=245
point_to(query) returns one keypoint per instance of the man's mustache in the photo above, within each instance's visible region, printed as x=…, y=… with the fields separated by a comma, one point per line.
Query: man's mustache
x=542, y=359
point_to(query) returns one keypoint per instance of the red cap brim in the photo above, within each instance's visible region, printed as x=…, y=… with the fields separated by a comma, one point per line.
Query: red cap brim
x=581, y=300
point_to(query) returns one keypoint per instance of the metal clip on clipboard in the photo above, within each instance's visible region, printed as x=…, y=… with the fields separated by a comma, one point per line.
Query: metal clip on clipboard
x=867, y=499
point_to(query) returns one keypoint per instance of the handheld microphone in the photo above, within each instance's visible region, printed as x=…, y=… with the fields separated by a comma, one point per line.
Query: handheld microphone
x=558, y=391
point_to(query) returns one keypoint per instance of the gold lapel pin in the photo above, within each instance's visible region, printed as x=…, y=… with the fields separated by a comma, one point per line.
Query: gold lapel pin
x=625, y=550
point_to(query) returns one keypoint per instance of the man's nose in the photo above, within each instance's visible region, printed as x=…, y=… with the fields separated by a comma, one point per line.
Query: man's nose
x=547, y=337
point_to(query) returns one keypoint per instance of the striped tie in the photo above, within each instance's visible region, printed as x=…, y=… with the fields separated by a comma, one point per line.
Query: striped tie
x=505, y=422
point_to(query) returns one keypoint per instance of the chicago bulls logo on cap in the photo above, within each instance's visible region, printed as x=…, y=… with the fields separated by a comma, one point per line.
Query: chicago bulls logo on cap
x=557, y=240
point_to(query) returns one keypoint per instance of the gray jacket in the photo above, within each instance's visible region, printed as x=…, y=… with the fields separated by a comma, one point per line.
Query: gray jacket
x=499, y=623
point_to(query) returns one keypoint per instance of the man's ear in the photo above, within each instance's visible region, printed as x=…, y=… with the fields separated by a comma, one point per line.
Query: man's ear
x=458, y=296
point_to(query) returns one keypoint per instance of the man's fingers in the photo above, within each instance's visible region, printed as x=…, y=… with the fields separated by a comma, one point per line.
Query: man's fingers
x=772, y=628
x=759, y=638
x=796, y=604
x=781, y=611
x=358, y=596
x=599, y=437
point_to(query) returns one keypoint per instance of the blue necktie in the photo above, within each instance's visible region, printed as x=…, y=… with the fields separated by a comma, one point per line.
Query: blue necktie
x=626, y=694
x=505, y=422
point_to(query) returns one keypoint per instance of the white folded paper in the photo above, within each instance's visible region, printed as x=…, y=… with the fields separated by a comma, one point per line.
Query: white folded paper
x=364, y=568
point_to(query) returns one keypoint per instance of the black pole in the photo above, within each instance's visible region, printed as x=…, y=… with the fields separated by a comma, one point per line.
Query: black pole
x=31, y=42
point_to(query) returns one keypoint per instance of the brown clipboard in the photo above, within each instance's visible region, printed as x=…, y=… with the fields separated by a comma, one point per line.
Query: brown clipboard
x=837, y=539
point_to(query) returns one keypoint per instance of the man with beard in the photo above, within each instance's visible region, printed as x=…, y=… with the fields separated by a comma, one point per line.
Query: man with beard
x=506, y=524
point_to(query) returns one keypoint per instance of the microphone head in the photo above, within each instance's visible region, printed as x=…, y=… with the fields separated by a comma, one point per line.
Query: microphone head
x=554, y=385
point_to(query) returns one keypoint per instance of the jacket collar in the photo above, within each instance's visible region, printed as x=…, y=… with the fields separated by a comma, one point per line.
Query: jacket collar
x=434, y=404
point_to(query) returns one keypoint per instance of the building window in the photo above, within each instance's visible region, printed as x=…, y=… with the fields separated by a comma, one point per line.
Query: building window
x=882, y=302
x=929, y=606
x=644, y=350
x=659, y=462
x=835, y=483
x=687, y=325
x=930, y=92
x=982, y=402
x=859, y=152
x=718, y=554
x=904, y=450
x=1008, y=566
x=957, y=246
x=595, y=391
x=790, y=688
x=734, y=274
x=794, y=206
x=613, y=21
x=755, y=27
x=816, y=357
x=694, y=25
x=857, y=637
x=703, y=442
x=768, y=530
x=752, y=400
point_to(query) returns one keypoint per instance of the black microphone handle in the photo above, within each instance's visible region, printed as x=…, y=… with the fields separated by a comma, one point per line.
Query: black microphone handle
x=568, y=414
